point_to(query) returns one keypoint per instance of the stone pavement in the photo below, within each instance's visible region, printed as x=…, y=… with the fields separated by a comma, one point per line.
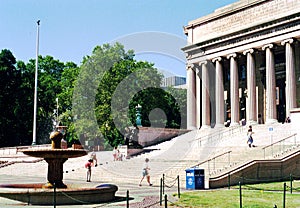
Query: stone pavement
x=75, y=173
x=144, y=196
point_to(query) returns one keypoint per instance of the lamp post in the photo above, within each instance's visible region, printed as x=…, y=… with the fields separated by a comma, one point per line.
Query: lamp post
x=138, y=115
x=35, y=84
x=57, y=123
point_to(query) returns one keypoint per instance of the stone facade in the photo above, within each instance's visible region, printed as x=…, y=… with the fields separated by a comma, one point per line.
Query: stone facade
x=243, y=63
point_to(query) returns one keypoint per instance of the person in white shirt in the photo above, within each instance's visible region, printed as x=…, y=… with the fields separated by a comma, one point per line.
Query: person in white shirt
x=93, y=157
x=146, y=172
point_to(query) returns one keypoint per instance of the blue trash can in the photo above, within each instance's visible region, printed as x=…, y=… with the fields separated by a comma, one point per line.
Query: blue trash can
x=194, y=178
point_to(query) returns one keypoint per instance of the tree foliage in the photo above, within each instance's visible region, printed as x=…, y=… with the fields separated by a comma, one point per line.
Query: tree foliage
x=17, y=90
x=101, y=74
x=9, y=81
x=159, y=108
x=95, y=101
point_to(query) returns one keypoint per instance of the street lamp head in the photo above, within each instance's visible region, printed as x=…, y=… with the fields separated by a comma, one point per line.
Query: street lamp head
x=138, y=106
x=38, y=22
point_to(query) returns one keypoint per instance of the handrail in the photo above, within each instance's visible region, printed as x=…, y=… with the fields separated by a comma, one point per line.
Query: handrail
x=279, y=141
x=212, y=158
x=272, y=145
x=215, y=135
x=228, y=129
x=264, y=148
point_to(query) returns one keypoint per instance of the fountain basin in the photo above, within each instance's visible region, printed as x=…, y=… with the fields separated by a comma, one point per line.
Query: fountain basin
x=55, y=153
x=35, y=194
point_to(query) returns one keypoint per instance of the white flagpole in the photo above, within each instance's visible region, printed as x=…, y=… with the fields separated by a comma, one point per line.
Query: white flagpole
x=35, y=84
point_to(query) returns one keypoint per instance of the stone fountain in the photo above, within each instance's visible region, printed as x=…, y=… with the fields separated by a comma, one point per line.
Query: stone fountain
x=43, y=194
x=55, y=157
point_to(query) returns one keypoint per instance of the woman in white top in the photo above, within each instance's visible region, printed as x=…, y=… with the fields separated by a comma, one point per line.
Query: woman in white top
x=146, y=173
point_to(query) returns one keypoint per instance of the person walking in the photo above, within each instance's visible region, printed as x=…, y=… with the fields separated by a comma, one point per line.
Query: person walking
x=93, y=157
x=115, y=153
x=249, y=136
x=146, y=172
x=88, y=166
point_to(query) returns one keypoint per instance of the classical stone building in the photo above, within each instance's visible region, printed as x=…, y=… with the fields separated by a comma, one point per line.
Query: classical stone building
x=243, y=62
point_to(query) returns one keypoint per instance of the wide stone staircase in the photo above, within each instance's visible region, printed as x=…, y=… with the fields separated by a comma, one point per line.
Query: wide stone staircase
x=173, y=157
x=214, y=150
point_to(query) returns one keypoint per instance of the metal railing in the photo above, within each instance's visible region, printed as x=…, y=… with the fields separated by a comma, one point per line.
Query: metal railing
x=280, y=147
x=214, y=161
x=216, y=165
x=219, y=135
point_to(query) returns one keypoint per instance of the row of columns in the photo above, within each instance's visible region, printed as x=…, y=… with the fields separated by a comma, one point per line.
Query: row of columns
x=193, y=81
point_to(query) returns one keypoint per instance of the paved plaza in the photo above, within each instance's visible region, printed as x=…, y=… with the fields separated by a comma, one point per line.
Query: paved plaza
x=33, y=171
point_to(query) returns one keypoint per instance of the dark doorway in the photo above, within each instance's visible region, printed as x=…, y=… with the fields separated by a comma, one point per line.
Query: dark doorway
x=280, y=99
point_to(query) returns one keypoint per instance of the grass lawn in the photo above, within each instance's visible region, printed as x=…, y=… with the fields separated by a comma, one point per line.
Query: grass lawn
x=254, y=196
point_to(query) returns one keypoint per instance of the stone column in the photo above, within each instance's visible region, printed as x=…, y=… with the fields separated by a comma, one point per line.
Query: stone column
x=290, y=89
x=198, y=98
x=251, y=88
x=219, y=93
x=234, y=90
x=271, y=112
x=191, y=91
x=205, y=96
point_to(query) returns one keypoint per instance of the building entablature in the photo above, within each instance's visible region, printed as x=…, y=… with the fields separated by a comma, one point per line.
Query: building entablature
x=244, y=42
x=243, y=15
x=282, y=26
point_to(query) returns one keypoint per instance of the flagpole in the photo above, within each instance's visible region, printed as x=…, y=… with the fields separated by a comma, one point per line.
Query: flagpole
x=35, y=84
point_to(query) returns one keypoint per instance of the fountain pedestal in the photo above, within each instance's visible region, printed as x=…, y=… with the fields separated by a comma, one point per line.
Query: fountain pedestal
x=55, y=159
x=55, y=172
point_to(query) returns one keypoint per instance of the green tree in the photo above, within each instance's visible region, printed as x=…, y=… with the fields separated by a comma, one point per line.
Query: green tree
x=24, y=107
x=159, y=108
x=87, y=83
x=9, y=82
x=178, y=103
x=49, y=78
x=67, y=84
x=97, y=99
x=108, y=80
x=130, y=77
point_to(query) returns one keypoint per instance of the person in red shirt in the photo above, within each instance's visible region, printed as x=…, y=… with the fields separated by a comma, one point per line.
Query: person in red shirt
x=88, y=166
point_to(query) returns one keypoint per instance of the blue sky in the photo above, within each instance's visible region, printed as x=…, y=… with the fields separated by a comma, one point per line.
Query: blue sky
x=70, y=29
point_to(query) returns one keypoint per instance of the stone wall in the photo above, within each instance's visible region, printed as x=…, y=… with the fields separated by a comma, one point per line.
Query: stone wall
x=150, y=136
x=260, y=171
